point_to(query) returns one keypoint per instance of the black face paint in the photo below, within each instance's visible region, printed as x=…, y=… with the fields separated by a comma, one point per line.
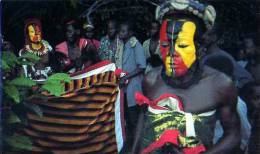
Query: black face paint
x=173, y=29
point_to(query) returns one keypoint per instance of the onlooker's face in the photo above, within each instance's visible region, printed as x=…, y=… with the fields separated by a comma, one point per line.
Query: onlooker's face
x=154, y=31
x=255, y=100
x=249, y=46
x=71, y=34
x=89, y=33
x=124, y=32
x=111, y=29
x=209, y=38
x=241, y=55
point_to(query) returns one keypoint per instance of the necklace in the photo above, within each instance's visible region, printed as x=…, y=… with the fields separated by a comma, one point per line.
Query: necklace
x=39, y=52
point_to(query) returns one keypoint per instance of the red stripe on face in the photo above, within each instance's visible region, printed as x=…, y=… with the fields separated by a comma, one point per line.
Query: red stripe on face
x=179, y=67
x=164, y=38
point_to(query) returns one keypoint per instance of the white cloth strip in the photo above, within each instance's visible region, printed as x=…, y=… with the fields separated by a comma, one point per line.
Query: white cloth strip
x=190, y=130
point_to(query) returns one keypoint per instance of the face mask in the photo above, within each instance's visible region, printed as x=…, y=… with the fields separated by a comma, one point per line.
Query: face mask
x=177, y=46
x=34, y=33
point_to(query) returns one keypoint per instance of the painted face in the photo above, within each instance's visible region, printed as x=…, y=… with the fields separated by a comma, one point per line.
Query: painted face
x=177, y=46
x=35, y=34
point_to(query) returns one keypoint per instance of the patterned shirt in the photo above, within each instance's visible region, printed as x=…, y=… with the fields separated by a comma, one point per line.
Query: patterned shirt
x=107, y=49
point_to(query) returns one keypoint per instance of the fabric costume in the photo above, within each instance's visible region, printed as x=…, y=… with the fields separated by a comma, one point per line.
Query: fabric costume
x=31, y=71
x=87, y=118
x=165, y=114
x=165, y=120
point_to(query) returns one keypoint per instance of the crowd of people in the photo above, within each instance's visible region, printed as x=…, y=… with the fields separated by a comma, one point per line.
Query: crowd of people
x=178, y=73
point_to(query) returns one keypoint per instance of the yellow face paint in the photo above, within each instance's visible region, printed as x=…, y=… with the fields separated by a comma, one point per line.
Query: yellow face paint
x=168, y=66
x=177, y=46
x=184, y=45
x=34, y=34
x=31, y=32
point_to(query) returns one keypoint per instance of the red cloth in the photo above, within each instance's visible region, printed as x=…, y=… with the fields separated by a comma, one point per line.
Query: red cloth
x=94, y=42
x=170, y=136
x=141, y=100
x=63, y=47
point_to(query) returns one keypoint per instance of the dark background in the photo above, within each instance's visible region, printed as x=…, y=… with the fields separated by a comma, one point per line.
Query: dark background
x=235, y=18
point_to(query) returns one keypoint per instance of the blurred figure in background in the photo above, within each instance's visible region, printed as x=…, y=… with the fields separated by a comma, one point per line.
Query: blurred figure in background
x=152, y=48
x=89, y=34
x=71, y=48
x=134, y=63
x=36, y=45
x=224, y=65
x=111, y=45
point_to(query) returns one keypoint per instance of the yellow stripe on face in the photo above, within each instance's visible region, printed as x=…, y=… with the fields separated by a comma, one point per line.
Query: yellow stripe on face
x=185, y=43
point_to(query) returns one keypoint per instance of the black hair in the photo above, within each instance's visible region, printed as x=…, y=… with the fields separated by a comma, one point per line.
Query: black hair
x=129, y=24
x=112, y=21
x=222, y=64
x=156, y=22
x=73, y=23
x=247, y=35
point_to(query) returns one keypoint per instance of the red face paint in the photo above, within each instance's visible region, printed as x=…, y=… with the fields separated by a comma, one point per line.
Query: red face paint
x=163, y=38
x=177, y=64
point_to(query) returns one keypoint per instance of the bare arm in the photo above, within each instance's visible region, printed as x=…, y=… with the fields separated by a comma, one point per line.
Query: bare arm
x=141, y=119
x=230, y=122
x=140, y=124
x=136, y=72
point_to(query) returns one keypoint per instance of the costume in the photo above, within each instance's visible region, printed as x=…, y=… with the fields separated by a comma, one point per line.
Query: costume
x=166, y=114
x=192, y=133
x=33, y=39
x=87, y=118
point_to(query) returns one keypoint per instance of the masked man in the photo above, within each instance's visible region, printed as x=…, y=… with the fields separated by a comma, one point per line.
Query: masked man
x=36, y=45
x=184, y=98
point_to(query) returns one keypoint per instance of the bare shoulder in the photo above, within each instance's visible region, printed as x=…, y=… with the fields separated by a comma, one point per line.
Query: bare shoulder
x=151, y=78
x=224, y=84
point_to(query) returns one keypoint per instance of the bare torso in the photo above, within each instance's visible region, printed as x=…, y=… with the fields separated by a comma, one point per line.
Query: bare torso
x=204, y=96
